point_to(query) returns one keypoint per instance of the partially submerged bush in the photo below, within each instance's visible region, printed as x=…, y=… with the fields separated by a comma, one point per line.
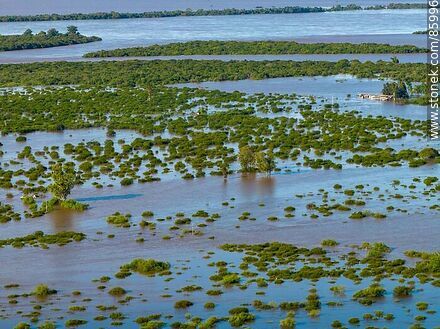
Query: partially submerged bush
x=43, y=290
x=148, y=267
x=183, y=304
x=117, y=291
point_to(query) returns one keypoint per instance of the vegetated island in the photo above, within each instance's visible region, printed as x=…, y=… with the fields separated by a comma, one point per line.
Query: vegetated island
x=422, y=32
x=204, y=12
x=51, y=38
x=162, y=72
x=256, y=48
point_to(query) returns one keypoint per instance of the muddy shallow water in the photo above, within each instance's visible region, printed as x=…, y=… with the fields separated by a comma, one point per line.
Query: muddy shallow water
x=412, y=224
x=73, y=266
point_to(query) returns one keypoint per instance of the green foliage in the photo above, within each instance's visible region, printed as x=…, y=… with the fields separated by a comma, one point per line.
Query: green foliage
x=41, y=239
x=240, y=316
x=396, y=89
x=255, y=48
x=117, y=291
x=265, y=162
x=369, y=295
x=119, y=220
x=63, y=180
x=7, y=213
x=51, y=38
x=43, y=290
x=204, y=12
x=148, y=267
x=183, y=304
x=246, y=157
x=141, y=73
x=329, y=243
x=402, y=291
x=47, y=325
x=73, y=205
x=75, y=322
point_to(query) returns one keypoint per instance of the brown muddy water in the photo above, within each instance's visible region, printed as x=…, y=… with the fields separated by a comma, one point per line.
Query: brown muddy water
x=74, y=266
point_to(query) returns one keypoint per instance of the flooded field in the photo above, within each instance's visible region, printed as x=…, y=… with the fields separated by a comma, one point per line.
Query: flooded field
x=343, y=89
x=198, y=192
x=73, y=267
x=192, y=220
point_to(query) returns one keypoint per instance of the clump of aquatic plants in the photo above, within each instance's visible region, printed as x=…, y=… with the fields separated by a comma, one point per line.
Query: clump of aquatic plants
x=182, y=304
x=41, y=239
x=119, y=220
x=7, y=213
x=149, y=267
x=240, y=316
x=369, y=295
x=117, y=291
x=43, y=290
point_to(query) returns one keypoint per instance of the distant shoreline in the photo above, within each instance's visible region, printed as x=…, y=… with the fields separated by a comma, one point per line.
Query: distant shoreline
x=203, y=12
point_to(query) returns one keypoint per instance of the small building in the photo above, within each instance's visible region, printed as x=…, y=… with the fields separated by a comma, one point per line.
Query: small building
x=378, y=97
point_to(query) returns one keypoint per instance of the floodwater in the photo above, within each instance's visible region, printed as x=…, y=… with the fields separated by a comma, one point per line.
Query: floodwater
x=16, y=57
x=369, y=26
x=31, y=7
x=413, y=224
x=342, y=89
x=74, y=266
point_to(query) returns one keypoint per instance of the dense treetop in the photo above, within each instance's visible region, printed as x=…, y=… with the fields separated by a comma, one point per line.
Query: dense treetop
x=255, y=48
x=51, y=38
x=133, y=73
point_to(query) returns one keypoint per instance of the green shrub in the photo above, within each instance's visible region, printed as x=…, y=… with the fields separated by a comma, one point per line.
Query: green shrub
x=183, y=304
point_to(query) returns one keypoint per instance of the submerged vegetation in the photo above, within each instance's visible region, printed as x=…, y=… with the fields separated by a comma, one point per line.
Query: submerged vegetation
x=42, y=240
x=51, y=38
x=139, y=129
x=133, y=73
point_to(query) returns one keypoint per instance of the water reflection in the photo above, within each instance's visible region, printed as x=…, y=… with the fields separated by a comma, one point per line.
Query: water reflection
x=253, y=184
x=62, y=220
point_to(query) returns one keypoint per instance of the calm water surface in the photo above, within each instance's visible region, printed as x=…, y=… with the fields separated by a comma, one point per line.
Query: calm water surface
x=20, y=57
x=370, y=26
x=30, y=7
x=74, y=266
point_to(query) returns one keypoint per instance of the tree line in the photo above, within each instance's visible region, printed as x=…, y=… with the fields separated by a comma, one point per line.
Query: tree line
x=214, y=47
x=136, y=73
x=203, y=12
x=44, y=39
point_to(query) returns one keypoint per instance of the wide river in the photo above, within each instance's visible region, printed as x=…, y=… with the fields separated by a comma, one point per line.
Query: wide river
x=384, y=26
x=32, y=7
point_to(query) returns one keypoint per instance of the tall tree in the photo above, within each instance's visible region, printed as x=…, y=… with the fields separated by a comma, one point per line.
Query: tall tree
x=397, y=89
x=265, y=162
x=52, y=32
x=71, y=29
x=63, y=180
x=246, y=158
x=224, y=168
